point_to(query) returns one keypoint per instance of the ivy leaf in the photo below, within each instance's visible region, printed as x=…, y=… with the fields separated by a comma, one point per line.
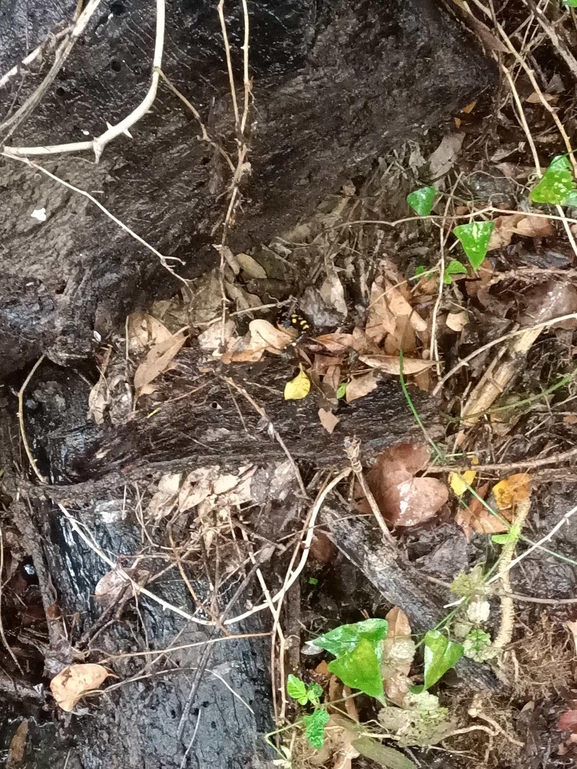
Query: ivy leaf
x=569, y=3
x=571, y=199
x=440, y=655
x=505, y=539
x=557, y=183
x=315, y=727
x=360, y=669
x=298, y=388
x=346, y=637
x=297, y=689
x=474, y=238
x=421, y=200
x=453, y=268
x=477, y=645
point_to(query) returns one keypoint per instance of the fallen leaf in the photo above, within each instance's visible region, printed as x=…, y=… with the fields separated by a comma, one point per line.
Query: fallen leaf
x=572, y=626
x=457, y=321
x=444, y=157
x=333, y=293
x=568, y=721
x=17, y=747
x=111, y=586
x=535, y=98
x=269, y=337
x=360, y=386
x=298, y=388
x=535, y=227
x=99, y=398
x=380, y=319
x=404, y=499
x=475, y=517
x=75, y=681
x=144, y=330
x=328, y=420
x=323, y=550
x=514, y=489
x=398, y=651
x=215, y=336
x=158, y=360
x=163, y=501
x=250, y=265
x=336, y=343
x=390, y=364
x=570, y=419
x=460, y=482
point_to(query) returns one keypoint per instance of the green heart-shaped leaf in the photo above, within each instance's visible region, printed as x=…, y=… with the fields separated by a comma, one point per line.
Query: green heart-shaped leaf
x=474, y=238
x=421, y=200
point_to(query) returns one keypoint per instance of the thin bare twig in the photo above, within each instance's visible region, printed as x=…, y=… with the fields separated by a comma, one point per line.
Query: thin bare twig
x=2, y=634
x=51, y=39
x=353, y=450
x=62, y=54
x=99, y=143
x=21, y=392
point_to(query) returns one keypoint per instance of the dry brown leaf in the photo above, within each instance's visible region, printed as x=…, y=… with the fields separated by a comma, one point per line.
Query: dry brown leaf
x=250, y=265
x=535, y=98
x=333, y=293
x=477, y=518
x=143, y=330
x=380, y=319
x=336, y=343
x=444, y=157
x=112, y=584
x=535, y=227
x=457, y=321
x=75, y=681
x=328, y=420
x=17, y=747
x=164, y=500
x=99, y=400
x=270, y=337
x=243, y=350
x=214, y=336
x=322, y=364
x=390, y=364
x=332, y=379
x=339, y=734
x=360, y=386
x=503, y=231
x=398, y=654
x=404, y=499
x=322, y=549
x=158, y=360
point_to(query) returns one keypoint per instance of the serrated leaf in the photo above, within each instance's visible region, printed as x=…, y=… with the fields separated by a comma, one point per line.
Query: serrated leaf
x=315, y=728
x=345, y=638
x=314, y=692
x=474, y=237
x=477, y=645
x=557, y=183
x=297, y=689
x=453, y=268
x=298, y=388
x=440, y=655
x=360, y=669
x=421, y=200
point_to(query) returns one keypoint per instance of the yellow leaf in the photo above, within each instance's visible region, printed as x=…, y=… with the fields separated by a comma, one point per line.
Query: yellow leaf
x=460, y=482
x=514, y=489
x=297, y=388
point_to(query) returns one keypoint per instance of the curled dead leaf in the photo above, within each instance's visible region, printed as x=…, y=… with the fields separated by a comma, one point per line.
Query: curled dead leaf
x=144, y=330
x=158, y=360
x=406, y=500
x=72, y=683
x=270, y=337
x=360, y=386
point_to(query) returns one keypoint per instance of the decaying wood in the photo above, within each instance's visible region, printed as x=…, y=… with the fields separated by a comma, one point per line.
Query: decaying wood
x=398, y=582
x=216, y=426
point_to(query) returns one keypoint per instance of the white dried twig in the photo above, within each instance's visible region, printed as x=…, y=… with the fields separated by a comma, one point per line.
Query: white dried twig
x=98, y=144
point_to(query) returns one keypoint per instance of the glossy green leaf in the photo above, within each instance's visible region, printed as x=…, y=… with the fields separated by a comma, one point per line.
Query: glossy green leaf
x=315, y=728
x=346, y=637
x=571, y=199
x=421, y=200
x=342, y=391
x=440, y=655
x=474, y=238
x=297, y=689
x=453, y=268
x=557, y=183
x=569, y=3
x=360, y=668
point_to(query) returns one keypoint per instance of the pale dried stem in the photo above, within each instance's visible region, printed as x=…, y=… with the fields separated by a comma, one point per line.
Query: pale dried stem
x=2, y=634
x=99, y=143
x=21, y=392
x=353, y=450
